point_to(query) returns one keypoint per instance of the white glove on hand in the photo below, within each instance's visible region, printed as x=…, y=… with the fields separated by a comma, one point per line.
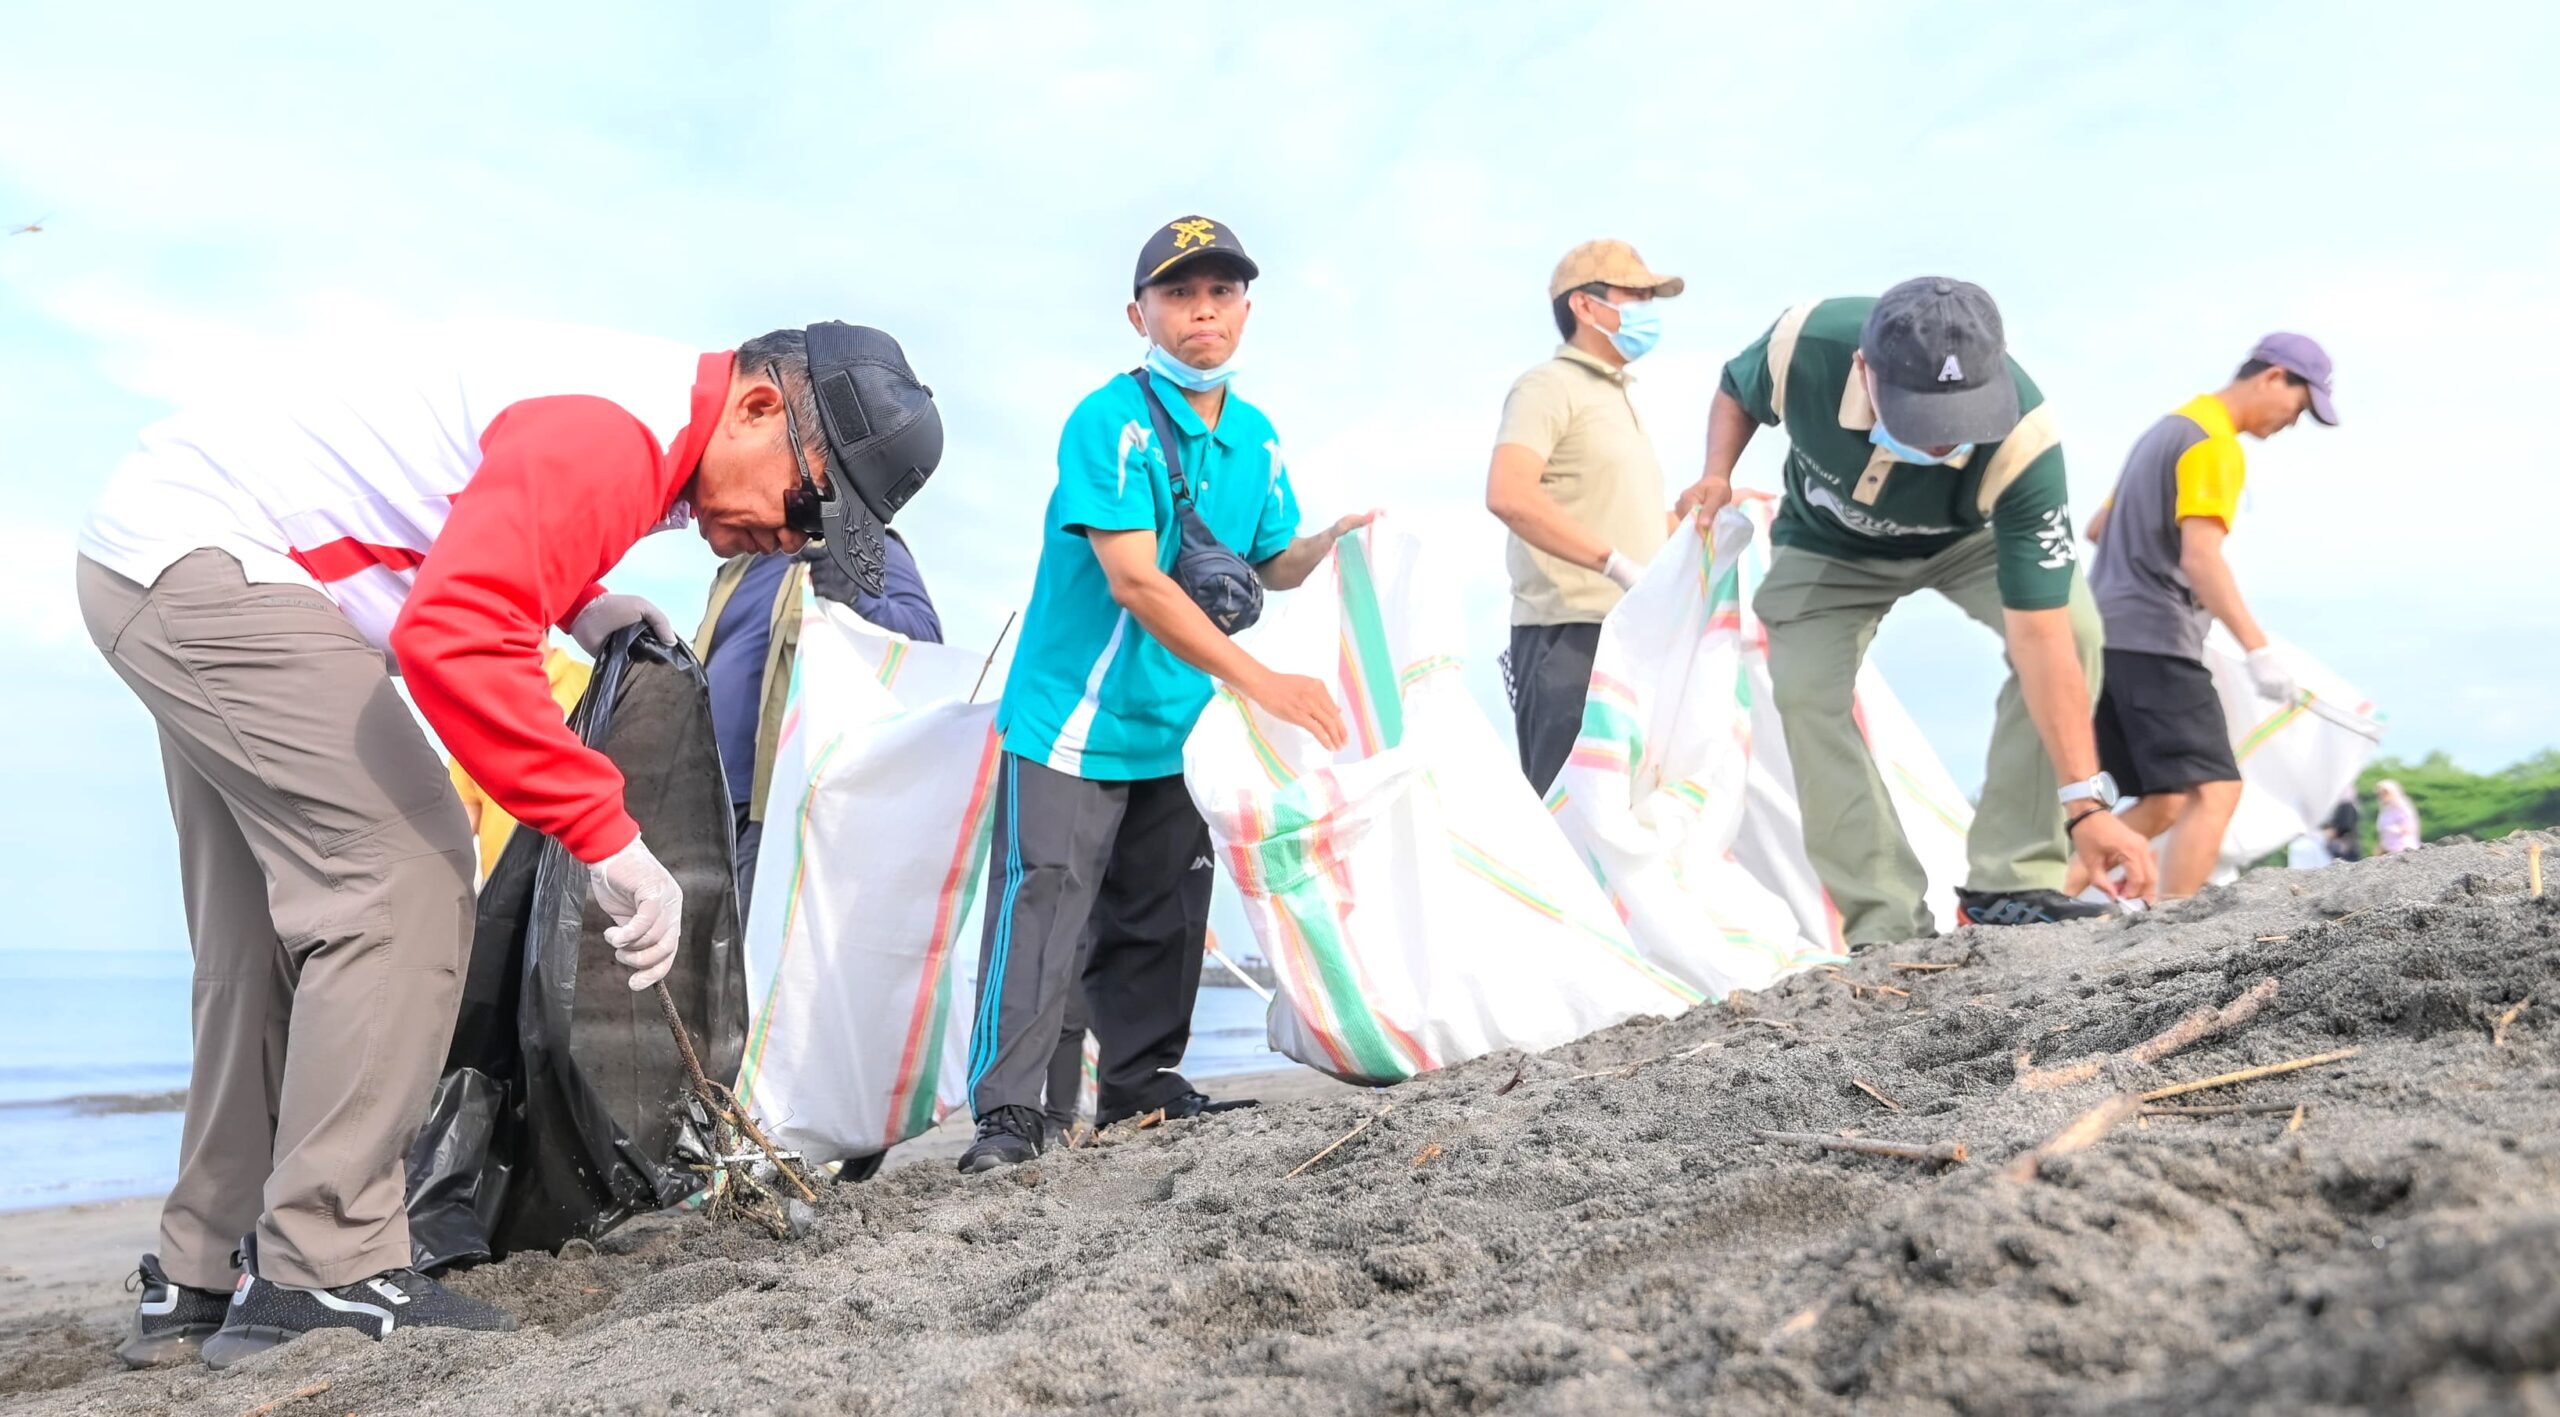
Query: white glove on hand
x=610, y=612
x=1618, y=568
x=646, y=905
x=2267, y=670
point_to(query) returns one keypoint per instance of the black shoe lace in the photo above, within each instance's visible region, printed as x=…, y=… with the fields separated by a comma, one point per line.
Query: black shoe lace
x=1022, y=1122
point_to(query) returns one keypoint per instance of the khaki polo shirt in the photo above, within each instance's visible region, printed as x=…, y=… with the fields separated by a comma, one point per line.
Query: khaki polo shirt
x=1573, y=411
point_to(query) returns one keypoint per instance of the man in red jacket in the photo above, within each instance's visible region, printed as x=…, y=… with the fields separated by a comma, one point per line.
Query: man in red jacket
x=256, y=577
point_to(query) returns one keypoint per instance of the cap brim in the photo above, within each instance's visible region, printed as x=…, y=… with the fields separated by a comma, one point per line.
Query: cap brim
x=1669, y=286
x=1229, y=254
x=1946, y=418
x=2321, y=408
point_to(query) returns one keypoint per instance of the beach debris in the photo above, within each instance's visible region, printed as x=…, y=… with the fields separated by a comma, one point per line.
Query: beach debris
x=1871, y=1090
x=1365, y=1124
x=2300, y=1110
x=2498, y=1034
x=2232, y=1109
x=1152, y=1120
x=1943, y=1153
x=2533, y=868
x=2290, y=1065
x=2083, y=1132
x=737, y=1181
x=2201, y=1024
x=300, y=1394
x=1916, y=966
x=1801, y=1321
x=1429, y=1150
x=1517, y=1073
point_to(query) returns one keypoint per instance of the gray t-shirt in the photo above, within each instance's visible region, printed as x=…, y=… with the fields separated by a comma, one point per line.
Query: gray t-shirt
x=2188, y=465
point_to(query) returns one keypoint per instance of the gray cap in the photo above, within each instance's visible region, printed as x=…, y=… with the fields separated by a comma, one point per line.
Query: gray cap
x=2302, y=356
x=1941, y=364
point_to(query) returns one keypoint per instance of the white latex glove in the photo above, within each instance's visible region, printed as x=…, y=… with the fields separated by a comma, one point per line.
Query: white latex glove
x=2267, y=670
x=1618, y=568
x=610, y=612
x=646, y=905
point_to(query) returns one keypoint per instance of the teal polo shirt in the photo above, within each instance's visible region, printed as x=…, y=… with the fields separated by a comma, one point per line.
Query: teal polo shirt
x=1092, y=694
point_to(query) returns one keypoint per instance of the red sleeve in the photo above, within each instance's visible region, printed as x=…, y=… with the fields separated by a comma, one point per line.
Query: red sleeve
x=565, y=486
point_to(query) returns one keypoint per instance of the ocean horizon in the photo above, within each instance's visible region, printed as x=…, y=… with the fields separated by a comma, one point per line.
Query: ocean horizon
x=91, y=1074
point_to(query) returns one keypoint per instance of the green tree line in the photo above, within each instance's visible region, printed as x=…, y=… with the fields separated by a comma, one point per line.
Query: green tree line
x=2451, y=801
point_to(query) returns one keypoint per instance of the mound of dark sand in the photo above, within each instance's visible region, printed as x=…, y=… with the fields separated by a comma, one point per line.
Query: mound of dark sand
x=1608, y=1235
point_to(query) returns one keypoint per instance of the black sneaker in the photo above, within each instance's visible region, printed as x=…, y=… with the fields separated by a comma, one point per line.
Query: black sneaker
x=1007, y=1136
x=264, y=1313
x=2023, y=908
x=860, y=1168
x=1188, y=1104
x=171, y=1321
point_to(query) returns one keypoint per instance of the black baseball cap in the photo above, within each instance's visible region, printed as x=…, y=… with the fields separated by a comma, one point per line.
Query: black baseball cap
x=884, y=439
x=1941, y=361
x=1179, y=243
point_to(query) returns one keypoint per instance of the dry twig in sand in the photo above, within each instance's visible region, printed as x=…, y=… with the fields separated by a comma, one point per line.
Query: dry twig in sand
x=731, y=1129
x=2291, y=1065
x=1429, y=1150
x=2203, y=1023
x=1338, y=1141
x=1871, y=1090
x=2235, y=1109
x=1944, y=1153
x=2498, y=1034
x=2083, y=1132
x=1913, y=966
x=2533, y=868
x=297, y=1395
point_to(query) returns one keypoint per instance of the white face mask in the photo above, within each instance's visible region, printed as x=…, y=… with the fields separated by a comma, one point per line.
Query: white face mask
x=1199, y=381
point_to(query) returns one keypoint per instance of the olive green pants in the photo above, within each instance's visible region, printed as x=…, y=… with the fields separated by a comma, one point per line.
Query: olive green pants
x=1821, y=614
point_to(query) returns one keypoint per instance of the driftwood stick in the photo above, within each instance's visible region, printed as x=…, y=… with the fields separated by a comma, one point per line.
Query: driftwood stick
x=2203, y=1023
x=1944, y=1153
x=2084, y=1132
x=2498, y=1034
x=1365, y=1124
x=2235, y=1109
x=1913, y=966
x=297, y=1395
x=2533, y=868
x=1871, y=1090
x=2293, y=1065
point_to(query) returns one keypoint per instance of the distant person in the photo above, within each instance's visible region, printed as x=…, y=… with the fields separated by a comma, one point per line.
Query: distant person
x=749, y=638
x=2397, y=822
x=2343, y=830
x=1921, y=457
x=1093, y=825
x=1575, y=479
x=2161, y=581
x=2309, y=852
x=490, y=824
x=253, y=575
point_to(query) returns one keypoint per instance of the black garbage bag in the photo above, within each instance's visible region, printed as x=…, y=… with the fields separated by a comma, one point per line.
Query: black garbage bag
x=563, y=1110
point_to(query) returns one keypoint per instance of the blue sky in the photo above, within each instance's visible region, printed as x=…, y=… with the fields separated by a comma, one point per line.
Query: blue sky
x=2145, y=189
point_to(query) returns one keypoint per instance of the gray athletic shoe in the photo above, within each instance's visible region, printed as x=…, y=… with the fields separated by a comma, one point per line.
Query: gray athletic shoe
x=264, y=1313
x=1007, y=1136
x=171, y=1321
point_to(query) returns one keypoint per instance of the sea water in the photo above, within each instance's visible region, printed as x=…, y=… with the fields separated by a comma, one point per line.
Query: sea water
x=89, y=1027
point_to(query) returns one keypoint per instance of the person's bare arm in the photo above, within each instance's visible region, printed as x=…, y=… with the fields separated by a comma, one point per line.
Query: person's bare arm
x=2097, y=526
x=1729, y=430
x=1512, y=493
x=2217, y=590
x=1299, y=559
x=1158, y=605
x=2057, y=693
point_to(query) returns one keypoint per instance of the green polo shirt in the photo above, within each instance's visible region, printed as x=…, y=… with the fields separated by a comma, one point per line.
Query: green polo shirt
x=1847, y=498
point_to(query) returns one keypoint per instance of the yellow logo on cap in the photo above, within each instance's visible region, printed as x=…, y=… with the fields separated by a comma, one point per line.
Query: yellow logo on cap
x=1198, y=230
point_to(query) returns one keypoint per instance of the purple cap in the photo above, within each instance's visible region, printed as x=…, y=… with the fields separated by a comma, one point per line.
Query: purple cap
x=2301, y=354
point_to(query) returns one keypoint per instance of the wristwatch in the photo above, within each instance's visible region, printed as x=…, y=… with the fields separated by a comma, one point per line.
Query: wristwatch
x=2100, y=789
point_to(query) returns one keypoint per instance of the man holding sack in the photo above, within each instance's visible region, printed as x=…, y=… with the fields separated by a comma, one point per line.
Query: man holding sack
x=1173, y=510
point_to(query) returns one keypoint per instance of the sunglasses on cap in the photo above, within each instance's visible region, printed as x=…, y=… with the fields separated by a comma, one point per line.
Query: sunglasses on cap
x=804, y=506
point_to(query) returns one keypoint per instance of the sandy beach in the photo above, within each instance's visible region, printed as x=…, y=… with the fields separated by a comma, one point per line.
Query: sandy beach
x=1602, y=1228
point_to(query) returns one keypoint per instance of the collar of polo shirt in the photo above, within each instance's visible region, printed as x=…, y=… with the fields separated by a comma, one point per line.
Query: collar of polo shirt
x=1594, y=363
x=1858, y=415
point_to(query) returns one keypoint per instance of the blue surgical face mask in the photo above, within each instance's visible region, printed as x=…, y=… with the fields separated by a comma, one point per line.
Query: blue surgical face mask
x=1639, y=329
x=1904, y=452
x=1199, y=381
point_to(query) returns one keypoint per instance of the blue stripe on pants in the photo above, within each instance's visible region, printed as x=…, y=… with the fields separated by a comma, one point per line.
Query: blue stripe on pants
x=984, y=1040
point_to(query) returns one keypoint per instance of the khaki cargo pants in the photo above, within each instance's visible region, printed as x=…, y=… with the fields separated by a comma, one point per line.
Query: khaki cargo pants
x=1821, y=614
x=327, y=871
